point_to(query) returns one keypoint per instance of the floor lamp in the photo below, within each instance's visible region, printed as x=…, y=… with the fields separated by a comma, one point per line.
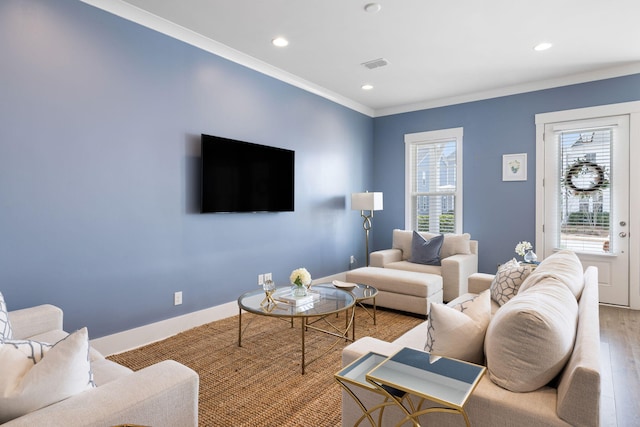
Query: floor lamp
x=366, y=202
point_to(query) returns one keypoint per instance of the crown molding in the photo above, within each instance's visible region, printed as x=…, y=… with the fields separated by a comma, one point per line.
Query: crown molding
x=161, y=25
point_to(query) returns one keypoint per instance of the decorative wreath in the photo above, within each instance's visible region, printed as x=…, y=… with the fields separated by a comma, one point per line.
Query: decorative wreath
x=577, y=169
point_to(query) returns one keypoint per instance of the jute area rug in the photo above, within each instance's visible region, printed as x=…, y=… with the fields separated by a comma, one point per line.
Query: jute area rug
x=260, y=383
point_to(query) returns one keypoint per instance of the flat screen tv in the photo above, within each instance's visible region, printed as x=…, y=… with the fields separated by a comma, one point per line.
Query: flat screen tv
x=239, y=176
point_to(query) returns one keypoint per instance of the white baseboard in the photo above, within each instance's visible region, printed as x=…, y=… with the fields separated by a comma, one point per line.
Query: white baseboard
x=147, y=334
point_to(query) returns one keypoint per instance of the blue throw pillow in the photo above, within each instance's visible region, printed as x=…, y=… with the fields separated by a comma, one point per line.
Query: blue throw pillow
x=426, y=251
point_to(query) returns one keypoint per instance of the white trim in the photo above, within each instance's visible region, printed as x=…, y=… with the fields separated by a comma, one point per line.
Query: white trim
x=146, y=19
x=606, y=73
x=625, y=108
x=161, y=25
x=147, y=334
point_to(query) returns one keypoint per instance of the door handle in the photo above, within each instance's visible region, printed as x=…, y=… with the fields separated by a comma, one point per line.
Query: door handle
x=622, y=234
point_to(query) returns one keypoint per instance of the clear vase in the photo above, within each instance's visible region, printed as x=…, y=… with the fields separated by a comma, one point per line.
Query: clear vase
x=530, y=256
x=299, y=291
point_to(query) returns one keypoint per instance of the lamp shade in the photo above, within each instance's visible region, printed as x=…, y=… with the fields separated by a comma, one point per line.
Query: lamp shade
x=366, y=201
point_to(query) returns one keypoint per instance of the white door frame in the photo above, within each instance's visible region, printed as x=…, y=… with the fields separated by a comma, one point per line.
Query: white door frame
x=633, y=110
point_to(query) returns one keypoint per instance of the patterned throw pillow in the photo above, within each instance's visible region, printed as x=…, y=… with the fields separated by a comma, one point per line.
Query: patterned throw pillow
x=507, y=281
x=5, y=327
x=458, y=331
x=34, y=375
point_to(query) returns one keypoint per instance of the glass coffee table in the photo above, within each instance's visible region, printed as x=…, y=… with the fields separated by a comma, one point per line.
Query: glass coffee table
x=446, y=382
x=362, y=293
x=325, y=302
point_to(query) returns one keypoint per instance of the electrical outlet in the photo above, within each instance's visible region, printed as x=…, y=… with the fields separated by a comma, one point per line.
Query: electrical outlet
x=177, y=298
x=352, y=259
x=267, y=276
x=260, y=279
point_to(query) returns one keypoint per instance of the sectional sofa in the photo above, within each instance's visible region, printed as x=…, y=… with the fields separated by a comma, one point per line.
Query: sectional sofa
x=541, y=347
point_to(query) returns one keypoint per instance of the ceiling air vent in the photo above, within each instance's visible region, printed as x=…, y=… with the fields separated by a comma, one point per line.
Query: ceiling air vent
x=376, y=63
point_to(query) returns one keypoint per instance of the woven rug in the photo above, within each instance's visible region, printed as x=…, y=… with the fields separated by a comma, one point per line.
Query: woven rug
x=260, y=383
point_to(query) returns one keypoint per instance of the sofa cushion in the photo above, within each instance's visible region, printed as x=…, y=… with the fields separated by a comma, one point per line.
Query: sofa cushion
x=564, y=266
x=34, y=375
x=531, y=337
x=507, y=281
x=5, y=326
x=453, y=244
x=458, y=330
x=426, y=251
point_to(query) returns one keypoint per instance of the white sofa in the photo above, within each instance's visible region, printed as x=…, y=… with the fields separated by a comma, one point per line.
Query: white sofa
x=165, y=394
x=572, y=397
x=459, y=259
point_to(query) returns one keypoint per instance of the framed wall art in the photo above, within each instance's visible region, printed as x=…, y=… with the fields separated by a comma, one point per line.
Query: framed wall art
x=514, y=167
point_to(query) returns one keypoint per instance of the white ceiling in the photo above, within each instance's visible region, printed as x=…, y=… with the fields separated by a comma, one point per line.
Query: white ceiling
x=439, y=51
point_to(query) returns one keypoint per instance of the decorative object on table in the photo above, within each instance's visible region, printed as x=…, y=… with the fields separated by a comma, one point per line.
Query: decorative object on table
x=269, y=288
x=366, y=202
x=525, y=250
x=514, y=167
x=301, y=281
x=347, y=286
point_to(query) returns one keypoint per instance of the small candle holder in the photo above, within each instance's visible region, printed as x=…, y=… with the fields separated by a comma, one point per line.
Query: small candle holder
x=269, y=288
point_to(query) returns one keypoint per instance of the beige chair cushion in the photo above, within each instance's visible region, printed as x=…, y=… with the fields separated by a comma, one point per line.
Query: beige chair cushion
x=453, y=243
x=564, y=266
x=531, y=337
x=458, y=331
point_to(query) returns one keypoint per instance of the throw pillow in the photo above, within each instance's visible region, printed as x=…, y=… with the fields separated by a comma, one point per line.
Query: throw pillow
x=34, y=375
x=507, y=281
x=5, y=327
x=458, y=331
x=531, y=337
x=425, y=251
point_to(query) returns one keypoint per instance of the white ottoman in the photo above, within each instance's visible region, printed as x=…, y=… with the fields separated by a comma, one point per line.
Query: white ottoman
x=400, y=289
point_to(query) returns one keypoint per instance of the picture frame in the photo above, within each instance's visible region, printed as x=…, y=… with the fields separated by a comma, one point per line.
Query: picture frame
x=514, y=167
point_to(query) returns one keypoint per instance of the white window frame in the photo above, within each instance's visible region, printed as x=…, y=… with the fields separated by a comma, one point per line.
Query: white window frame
x=412, y=139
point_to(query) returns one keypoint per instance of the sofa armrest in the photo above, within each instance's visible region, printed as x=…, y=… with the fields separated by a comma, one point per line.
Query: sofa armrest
x=479, y=282
x=455, y=272
x=164, y=394
x=383, y=257
x=37, y=320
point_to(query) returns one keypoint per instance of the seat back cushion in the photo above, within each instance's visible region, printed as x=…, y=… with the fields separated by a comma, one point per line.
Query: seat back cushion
x=453, y=244
x=531, y=337
x=5, y=327
x=564, y=266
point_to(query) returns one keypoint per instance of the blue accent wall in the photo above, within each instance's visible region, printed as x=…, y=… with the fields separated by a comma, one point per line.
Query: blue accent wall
x=498, y=214
x=100, y=123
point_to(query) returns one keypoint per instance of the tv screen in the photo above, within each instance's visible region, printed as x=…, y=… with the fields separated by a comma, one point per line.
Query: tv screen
x=239, y=176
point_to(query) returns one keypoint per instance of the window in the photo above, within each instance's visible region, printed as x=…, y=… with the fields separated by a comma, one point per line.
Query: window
x=433, y=189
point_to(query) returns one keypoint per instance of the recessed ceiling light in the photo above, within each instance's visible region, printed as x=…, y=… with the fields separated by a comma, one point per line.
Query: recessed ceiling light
x=372, y=7
x=542, y=46
x=280, y=42
x=367, y=87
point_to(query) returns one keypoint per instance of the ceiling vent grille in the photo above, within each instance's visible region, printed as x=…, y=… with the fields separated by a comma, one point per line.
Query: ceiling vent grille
x=376, y=63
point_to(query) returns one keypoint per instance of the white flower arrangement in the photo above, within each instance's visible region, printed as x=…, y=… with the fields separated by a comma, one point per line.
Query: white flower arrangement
x=300, y=277
x=523, y=247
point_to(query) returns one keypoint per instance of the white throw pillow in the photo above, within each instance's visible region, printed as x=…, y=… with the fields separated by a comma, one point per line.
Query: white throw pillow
x=34, y=375
x=507, y=281
x=458, y=331
x=5, y=327
x=531, y=337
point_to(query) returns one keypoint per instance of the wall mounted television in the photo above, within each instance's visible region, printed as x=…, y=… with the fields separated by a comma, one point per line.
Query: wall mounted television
x=240, y=176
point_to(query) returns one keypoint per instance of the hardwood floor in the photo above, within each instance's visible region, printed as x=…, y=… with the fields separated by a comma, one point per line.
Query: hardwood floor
x=620, y=360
